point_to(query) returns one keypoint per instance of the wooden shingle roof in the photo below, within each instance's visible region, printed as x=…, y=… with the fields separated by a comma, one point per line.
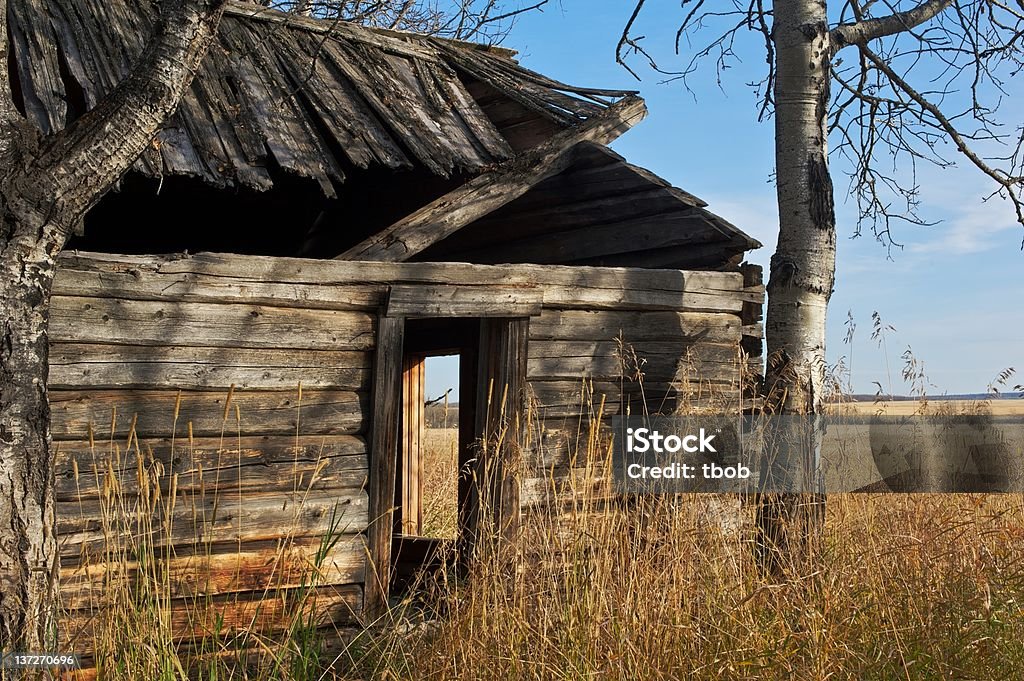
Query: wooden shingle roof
x=312, y=98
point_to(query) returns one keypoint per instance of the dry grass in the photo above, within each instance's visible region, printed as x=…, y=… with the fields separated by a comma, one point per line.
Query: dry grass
x=440, y=483
x=902, y=587
x=144, y=620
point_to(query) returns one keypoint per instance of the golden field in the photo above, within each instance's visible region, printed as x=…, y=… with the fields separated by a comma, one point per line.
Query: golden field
x=1001, y=407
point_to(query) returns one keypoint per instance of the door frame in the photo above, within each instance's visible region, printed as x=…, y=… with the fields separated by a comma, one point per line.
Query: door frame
x=497, y=427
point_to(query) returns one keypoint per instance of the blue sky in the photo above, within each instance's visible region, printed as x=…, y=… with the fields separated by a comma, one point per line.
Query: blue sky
x=954, y=294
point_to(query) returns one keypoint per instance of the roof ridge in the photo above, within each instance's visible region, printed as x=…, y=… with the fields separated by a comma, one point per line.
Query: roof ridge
x=251, y=10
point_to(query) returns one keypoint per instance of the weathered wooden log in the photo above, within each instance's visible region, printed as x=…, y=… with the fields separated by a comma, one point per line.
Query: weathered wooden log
x=491, y=190
x=170, y=323
x=251, y=464
x=227, y=616
x=211, y=570
x=146, y=284
x=598, y=288
x=114, y=414
x=387, y=394
x=446, y=300
x=634, y=327
x=89, y=527
x=95, y=365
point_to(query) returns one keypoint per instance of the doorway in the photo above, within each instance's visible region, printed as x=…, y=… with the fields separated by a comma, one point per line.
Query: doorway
x=492, y=386
x=427, y=481
x=436, y=447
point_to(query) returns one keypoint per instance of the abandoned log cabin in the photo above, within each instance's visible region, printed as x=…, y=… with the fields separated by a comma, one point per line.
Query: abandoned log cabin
x=340, y=203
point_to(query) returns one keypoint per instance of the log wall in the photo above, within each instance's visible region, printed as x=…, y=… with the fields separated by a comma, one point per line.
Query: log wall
x=648, y=351
x=215, y=408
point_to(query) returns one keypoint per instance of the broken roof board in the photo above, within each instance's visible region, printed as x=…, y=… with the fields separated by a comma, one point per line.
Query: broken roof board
x=313, y=98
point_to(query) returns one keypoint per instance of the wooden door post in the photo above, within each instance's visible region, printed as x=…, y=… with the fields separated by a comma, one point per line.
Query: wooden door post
x=387, y=397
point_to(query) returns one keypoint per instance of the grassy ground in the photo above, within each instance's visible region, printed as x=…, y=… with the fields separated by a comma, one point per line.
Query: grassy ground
x=902, y=587
x=440, y=483
x=899, y=587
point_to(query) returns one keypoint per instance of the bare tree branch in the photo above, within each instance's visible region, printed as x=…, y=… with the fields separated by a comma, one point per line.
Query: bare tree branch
x=627, y=41
x=401, y=14
x=487, y=21
x=865, y=30
x=1009, y=183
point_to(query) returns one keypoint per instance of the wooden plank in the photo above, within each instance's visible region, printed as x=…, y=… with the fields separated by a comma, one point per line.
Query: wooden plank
x=212, y=570
x=693, y=361
x=565, y=485
x=291, y=136
x=715, y=254
x=251, y=464
x=413, y=431
x=258, y=613
x=514, y=82
x=38, y=77
x=401, y=43
x=94, y=365
x=753, y=312
x=657, y=350
x=243, y=658
x=565, y=287
x=598, y=288
x=390, y=102
x=469, y=110
x=566, y=442
x=166, y=323
x=469, y=153
x=488, y=191
x=578, y=398
x=145, y=284
x=447, y=300
x=112, y=413
x=387, y=390
x=85, y=527
x=328, y=100
x=638, y=328
x=350, y=111
x=501, y=408
x=591, y=236
x=559, y=281
x=601, y=172
x=566, y=212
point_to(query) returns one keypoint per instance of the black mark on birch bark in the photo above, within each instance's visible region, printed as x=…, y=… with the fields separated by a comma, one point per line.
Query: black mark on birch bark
x=822, y=204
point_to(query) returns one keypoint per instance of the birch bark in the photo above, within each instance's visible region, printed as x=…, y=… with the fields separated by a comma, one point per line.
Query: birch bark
x=46, y=187
x=802, y=271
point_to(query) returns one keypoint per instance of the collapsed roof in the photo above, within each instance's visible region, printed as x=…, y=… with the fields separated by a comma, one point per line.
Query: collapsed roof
x=315, y=98
x=523, y=175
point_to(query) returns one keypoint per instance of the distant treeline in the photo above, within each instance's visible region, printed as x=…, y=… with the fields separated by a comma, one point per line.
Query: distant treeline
x=438, y=418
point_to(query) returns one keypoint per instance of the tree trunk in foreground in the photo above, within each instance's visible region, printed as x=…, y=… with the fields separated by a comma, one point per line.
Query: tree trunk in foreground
x=46, y=187
x=28, y=542
x=802, y=268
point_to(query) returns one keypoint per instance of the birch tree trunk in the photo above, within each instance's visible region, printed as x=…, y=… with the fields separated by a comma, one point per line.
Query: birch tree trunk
x=28, y=543
x=46, y=187
x=803, y=266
